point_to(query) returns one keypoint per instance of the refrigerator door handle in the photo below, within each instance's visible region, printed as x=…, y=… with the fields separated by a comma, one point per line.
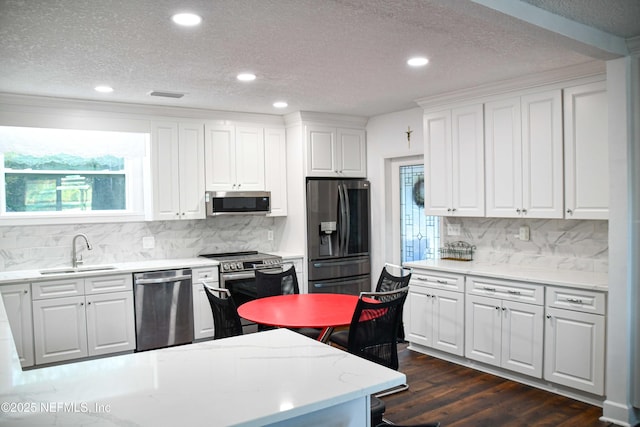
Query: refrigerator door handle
x=343, y=218
x=347, y=218
x=339, y=263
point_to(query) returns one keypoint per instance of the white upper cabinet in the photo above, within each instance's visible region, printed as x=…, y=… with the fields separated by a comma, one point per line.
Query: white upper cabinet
x=336, y=152
x=454, y=155
x=234, y=158
x=177, y=163
x=275, y=169
x=524, y=163
x=586, y=152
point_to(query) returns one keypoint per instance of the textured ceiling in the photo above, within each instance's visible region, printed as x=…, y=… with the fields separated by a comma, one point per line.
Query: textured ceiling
x=338, y=56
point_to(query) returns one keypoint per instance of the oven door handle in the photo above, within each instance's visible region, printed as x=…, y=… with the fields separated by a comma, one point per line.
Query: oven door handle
x=239, y=275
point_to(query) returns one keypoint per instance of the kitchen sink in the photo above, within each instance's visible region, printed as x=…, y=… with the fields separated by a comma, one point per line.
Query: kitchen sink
x=83, y=269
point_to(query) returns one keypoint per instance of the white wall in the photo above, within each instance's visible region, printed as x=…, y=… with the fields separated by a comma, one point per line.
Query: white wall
x=386, y=139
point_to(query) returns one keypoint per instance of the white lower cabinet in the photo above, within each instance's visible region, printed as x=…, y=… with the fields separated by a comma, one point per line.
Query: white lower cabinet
x=575, y=339
x=203, y=327
x=17, y=304
x=434, y=311
x=72, y=327
x=504, y=324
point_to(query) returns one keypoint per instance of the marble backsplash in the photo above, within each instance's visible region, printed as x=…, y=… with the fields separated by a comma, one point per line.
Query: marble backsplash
x=44, y=246
x=557, y=244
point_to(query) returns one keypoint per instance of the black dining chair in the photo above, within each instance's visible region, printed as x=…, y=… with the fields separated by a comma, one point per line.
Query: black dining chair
x=226, y=321
x=269, y=284
x=386, y=282
x=372, y=336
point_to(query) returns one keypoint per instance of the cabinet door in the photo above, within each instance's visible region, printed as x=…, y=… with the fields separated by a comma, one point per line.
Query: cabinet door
x=438, y=174
x=59, y=329
x=586, y=152
x=503, y=162
x=352, y=156
x=203, y=326
x=467, y=161
x=522, y=328
x=418, y=315
x=321, y=151
x=448, y=321
x=275, y=169
x=17, y=303
x=191, y=167
x=574, y=350
x=220, y=158
x=249, y=159
x=110, y=323
x=483, y=329
x=542, y=162
x=165, y=171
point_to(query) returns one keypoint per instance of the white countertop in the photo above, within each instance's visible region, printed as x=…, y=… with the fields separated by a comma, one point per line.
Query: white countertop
x=122, y=267
x=566, y=278
x=251, y=380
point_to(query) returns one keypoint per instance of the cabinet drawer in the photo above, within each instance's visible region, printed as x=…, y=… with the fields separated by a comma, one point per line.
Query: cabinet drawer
x=103, y=284
x=207, y=275
x=576, y=300
x=451, y=282
x=506, y=289
x=58, y=288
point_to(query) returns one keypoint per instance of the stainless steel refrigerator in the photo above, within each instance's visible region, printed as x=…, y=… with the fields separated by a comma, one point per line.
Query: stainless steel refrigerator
x=338, y=228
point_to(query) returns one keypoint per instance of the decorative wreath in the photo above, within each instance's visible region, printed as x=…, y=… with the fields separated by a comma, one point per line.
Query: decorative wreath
x=418, y=192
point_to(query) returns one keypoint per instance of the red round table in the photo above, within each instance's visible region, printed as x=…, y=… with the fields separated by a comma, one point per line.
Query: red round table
x=324, y=311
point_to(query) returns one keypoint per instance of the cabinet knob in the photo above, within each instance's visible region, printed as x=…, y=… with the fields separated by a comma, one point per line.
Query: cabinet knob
x=504, y=308
x=497, y=308
x=453, y=209
x=81, y=304
x=524, y=211
x=182, y=214
x=518, y=210
x=570, y=212
x=548, y=316
x=177, y=213
x=26, y=291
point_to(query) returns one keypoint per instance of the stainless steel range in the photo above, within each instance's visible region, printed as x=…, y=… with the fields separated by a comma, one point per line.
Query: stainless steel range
x=237, y=272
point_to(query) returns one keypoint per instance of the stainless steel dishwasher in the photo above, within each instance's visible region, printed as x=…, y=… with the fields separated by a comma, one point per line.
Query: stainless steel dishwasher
x=163, y=308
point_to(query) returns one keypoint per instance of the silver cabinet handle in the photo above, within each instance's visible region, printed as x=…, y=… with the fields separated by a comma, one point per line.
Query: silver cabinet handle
x=575, y=300
x=444, y=282
x=511, y=291
x=489, y=288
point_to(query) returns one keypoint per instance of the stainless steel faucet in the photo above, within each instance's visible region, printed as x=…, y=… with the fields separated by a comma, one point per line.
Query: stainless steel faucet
x=76, y=259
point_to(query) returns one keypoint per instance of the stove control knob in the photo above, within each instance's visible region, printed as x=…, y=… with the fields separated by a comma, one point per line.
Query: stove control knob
x=225, y=267
x=239, y=266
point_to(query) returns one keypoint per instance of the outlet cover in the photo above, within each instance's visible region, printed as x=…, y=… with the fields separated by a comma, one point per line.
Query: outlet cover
x=148, y=242
x=453, y=229
x=270, y=235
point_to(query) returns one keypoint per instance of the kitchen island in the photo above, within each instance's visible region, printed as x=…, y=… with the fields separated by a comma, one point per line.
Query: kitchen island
x=276, y=377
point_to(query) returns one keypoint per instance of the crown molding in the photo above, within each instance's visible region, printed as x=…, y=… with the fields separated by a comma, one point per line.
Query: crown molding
x=81, y=107
x=633, y=44
x=327, y=119
x=588, y=69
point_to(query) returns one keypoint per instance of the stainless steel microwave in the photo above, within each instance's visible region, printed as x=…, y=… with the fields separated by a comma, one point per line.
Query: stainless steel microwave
x=238, y=202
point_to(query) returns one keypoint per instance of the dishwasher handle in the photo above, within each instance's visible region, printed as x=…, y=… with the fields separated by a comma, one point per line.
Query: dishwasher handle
x=162, y=280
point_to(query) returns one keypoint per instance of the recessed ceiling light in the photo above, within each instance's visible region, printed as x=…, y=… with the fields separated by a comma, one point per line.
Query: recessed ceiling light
x=186, y=19
x=103, y=89
x=280, y=104
x=418, y=61
x=246, y=77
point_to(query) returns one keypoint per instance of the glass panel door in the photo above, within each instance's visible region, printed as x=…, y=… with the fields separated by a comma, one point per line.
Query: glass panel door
x=419, y=234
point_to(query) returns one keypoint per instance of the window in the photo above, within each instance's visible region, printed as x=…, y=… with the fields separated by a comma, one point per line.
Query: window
x=60, y=173
x=419, y=234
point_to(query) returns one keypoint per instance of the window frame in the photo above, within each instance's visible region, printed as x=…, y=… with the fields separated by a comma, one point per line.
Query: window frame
x=137, y=179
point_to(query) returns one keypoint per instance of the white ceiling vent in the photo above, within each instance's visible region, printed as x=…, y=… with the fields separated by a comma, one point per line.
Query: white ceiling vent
x=166, y=94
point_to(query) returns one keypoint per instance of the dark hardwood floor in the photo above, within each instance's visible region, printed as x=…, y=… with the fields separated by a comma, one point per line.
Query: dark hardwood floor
x=458, y=396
